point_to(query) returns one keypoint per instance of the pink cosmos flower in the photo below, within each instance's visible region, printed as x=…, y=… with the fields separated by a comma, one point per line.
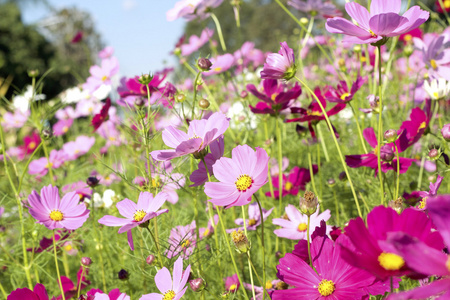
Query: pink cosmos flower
x=295, y=181
x=69, y=288
x=168, y=184
x=232, y=283
x=201, y=134
x=62, y=127
x=79, y=147
x=416, y=252
x=239, y=177
x=196, y=42
x=335, y=278
x=39, y=293
x=248, y=56
x=102, y=116
x=425, y=195
x=200, y=176
x=192, y=9
x=182, y=240
x=374, y=253
x=209, y=230
x=16, y=120
x=114, y=294
x=295, y=227
x=170, y=288
x=382, y=22
x=435, y=54
x=254, y=218
x=40, y=166
x=107, y=52
x=67, y=113
x=276, y=96
x=52, y=212
x=280, y=65
x=101, y=75
x=315, y=8
x=220, y=64
x=136, y=214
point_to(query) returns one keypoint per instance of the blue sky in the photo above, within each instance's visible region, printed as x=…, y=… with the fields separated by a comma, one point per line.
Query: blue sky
x=137, y=29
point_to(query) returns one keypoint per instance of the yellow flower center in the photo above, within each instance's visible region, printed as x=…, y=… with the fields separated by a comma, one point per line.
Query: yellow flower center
x=218, y=69
x=104, y=78
x=344, y=96
x=422, y=203
x=436, y=95
x=156, y=183
x=447, y=264
x=302, y=227
x=407, y=37
x=233, y=287
x=65, y=129
x=274, y=95
x=423, y=125
x=49, y=165
x=206, y=232
x=56, y=215
x=251, y=222
x=447, y=4
x=139, y=215
x=433, y=64
x=372, y=33
x=169, y=295
x=288, y=186
x=186, y=244
x=326, y=287
x=269, y=284
x=68, y=247
x=314, y=113
x=243, y=182
x=363, y=59
x=391, y=261
x=112, y=139
x=32, y=145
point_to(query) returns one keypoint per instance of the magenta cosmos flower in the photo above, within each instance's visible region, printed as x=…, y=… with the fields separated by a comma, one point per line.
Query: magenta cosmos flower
x=374, y=253
x=38, y=293
x=342, y=94
x=240, y=176
x=382, y=22
x=295, y=181
x=280, y=65
x=172, y=289
x=136, y=214
x=296, y=224
x=115, y=294
x=200, y=134
x=54, y=213
x=425, y=259
x=335, y=278
x=232, y=283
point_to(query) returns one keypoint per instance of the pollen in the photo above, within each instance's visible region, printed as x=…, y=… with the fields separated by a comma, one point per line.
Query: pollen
x=422, y=203
x=391, y=261
x=32, y=145
x=218, y=69
x=56, y=215
x=251, y=222
x=344, y=96
x=169, y=295
x=243, y=182
x=139, y=215
x=302, y=227
x=326, y=287
x=186, y=244
x=288, y=186
x=233, y=287
x=49, y=165
x=206, y=232
x=269, y=284
x=433, y=64
x=447, y=264
x=68, y=247
x=274, y=96
x=372, y=33
x=104, y=78
x=407, y=37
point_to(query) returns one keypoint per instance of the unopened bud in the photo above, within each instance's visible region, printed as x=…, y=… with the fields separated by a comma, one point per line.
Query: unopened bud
x=145, y=79
x=304, y=21
x=279, y=254
x=92, y=181
x=343, y=176
x=408, y=50
x=203, y=103
x=357, y=48
x=204, y=64
x=308, y=203
x=386, y=153
x=139, y=102
x=46, y=133
x=397, y=204
x=244, y=94
x=197, y=285
x=150, y=259
x=374, y=102
x=434, y=154
x=86, y=261
x=33, y=73
x=446, y=132
x=180, y=97
x=331, y=182
x=390, y=135
x=301, y=130
x=123, y=275
x=240, y=241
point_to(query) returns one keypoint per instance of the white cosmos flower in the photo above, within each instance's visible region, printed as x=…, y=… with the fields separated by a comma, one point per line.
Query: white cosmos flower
x=106, y=201
x=22, y=102
x=437, y=89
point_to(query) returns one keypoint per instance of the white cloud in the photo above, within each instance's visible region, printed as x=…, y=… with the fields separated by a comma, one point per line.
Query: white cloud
x=129, y=4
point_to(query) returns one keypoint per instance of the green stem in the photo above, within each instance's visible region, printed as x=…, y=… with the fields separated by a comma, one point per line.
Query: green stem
x=336, y=207
x=311, y=172
x=27, y=164
x=49, y=164
x=322, y=142
x=309, y=244
x=195, y=94
x=380, y=126
x=280, y=166
x=308, y=32
x=219, y=32
x=397, y=191
x=263, y=248
x=57, y=267
x=359, y=129
x=79, y=284
x=157, y=247
x=344, y=165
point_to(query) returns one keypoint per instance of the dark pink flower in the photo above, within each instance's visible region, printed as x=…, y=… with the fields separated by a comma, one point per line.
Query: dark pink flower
x=372, y=251
x=101, y=117
x=77, y=37
x=382, y=22
x=280, y=65
x=69, y=288
x=296, y=180
x=341, y=93
x=39, y=293
x=232, y=283
x=276, y=96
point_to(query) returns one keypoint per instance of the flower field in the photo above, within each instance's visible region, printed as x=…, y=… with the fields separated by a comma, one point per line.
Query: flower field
x=315, y=171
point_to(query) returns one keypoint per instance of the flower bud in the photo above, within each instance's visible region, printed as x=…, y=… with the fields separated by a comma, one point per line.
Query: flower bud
x=92, y=181
x=123, y=275
x=279, y=254
x=150, y=259
x=240, y=241
x=357, y=48
x=244, y=94
x=331, y=182
x=374, y=102
x=304, y=21
x=86, y=261
x=308, y=203
x=446, y=132
x=343, y=176
x=33, y=73
x=139, y=102
x=197, y=285
x=180, y=97
x=301, y=130
x=200, y=154
x=397, y=205
x=83, y=297
x=46, y=133
x=203, y=103
x=434, y=154
x=281, y=285
x=204, y=64
x=177, y=51
x=408, y=50
x=145, y=79
x=390, y=135
x=386, y=153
